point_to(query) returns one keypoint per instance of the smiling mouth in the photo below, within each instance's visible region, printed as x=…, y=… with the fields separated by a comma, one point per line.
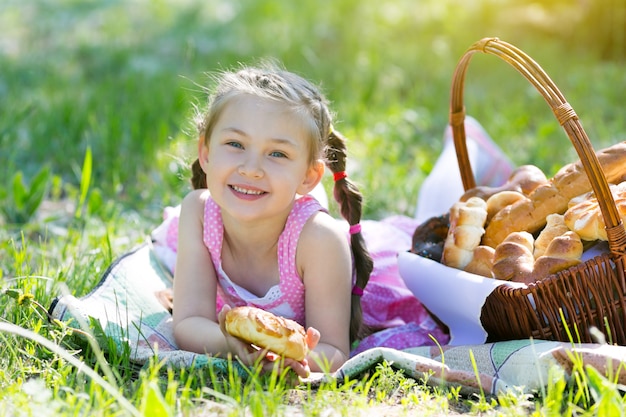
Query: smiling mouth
x=246, y=190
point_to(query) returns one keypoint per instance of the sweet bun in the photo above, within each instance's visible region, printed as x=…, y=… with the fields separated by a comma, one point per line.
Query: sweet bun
x=280, y=335
x=554, y=196
x=482, y=261
x=563, y=252
x=583, y=197
x=500, y=200
x=555, y=226
x=585, y=217
x=513, y=259
x=525, y=215
x=567, y=246
x=524, y=179
x=428, y=238
x=466, y=230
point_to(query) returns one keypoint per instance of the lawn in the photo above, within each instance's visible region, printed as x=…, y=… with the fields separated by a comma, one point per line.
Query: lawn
x=96, y=103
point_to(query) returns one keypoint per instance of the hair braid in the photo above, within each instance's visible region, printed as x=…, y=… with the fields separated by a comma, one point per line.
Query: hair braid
x=350, y=202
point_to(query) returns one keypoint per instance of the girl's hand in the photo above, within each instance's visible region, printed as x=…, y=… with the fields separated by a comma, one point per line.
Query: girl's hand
x=312, y=337
x=240, y=349
x=302, y=368
x=250, y=355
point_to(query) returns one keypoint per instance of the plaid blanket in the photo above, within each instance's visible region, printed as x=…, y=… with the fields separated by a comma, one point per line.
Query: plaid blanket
x=124, y=306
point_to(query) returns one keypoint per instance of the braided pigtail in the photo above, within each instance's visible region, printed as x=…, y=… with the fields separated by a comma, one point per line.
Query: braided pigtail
x=350, y=204
x=198, y=177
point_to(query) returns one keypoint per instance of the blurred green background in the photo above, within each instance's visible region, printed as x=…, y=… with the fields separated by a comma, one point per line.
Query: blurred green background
x=96, y=133
x=121, y=78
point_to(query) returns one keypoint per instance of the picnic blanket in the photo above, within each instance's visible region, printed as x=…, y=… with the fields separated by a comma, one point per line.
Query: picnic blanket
x=124, y=307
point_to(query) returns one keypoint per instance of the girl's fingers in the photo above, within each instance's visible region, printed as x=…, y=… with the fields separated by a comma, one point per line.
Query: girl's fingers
x=312, y=337
x=221, y=318
x=300, y=368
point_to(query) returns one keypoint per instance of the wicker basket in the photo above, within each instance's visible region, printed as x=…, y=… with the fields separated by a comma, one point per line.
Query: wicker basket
x=564, y=306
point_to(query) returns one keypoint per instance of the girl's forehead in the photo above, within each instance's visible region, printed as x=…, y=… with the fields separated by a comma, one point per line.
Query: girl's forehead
x=255, y=103
x=250, y=110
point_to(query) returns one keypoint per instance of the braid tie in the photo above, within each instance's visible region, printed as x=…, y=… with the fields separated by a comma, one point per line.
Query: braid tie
x=356, y=290
x=355, y=228
x=339, y=175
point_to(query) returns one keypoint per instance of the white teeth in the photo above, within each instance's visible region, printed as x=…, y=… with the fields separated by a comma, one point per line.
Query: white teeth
x=246, y=191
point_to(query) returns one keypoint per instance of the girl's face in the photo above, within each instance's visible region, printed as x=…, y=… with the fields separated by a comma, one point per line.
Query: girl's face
x=257, y=159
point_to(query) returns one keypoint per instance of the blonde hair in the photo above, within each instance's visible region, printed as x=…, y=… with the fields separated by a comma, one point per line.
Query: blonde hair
x=306, y=102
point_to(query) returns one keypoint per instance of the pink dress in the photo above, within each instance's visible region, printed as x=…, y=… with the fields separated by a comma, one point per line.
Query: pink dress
x=399, y=319
x=287, y=297
x=389, y=307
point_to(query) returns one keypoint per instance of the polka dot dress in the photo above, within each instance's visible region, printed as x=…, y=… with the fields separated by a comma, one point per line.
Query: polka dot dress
x=286, y=298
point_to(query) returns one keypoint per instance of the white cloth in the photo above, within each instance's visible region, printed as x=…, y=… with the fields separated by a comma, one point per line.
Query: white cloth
x=454, y=296
x=443, y=186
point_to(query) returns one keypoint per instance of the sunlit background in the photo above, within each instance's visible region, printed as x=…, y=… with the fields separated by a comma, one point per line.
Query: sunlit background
x=96, y=103
x=120, y=78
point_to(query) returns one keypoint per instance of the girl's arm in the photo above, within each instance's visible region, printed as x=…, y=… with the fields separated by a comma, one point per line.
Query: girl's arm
x=195, y=323
x=325, y=264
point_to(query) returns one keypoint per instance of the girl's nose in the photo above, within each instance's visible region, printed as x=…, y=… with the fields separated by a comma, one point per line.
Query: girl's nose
x=251, y=167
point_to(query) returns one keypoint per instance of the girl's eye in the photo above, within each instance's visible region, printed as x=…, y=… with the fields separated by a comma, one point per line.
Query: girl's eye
x=278, y=154
x=235, y=144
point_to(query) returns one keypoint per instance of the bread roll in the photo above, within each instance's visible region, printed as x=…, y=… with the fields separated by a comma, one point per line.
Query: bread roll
x=583, y=197
x=465, y=232
x=524, y=179
x=553, y=197
x=429, y=237
x=280, y=335
x=563, y=252
x=500, y=200
x=585, y=217
x=513, y=258
x=482, y=261
x=555, y=226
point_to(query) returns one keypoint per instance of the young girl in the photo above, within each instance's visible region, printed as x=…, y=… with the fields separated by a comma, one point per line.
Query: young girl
x=250, y=233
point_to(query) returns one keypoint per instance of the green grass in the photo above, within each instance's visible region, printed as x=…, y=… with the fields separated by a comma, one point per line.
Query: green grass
x=97, y=97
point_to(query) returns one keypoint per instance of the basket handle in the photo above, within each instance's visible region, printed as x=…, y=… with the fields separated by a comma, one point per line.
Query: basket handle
x=563, y=112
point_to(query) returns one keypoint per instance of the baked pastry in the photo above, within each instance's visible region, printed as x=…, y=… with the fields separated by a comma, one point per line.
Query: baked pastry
x=555, y=226
x=500, y=200
x=585, y=217
x=583, y=197
x=564, y=251
x=553, y=197
x=266, y=330
x=429, y=236
x=482, y=261
x=466, y=230
x=524, y=179
x=513, y=259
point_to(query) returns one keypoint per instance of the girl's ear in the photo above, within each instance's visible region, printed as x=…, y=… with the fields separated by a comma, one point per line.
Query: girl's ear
x=313, y=177
x=203, y=153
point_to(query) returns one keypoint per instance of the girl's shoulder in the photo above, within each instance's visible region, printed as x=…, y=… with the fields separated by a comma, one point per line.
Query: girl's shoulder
x=197, y=195
x=321, y=229
x=195, y=200
x=323, y=255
